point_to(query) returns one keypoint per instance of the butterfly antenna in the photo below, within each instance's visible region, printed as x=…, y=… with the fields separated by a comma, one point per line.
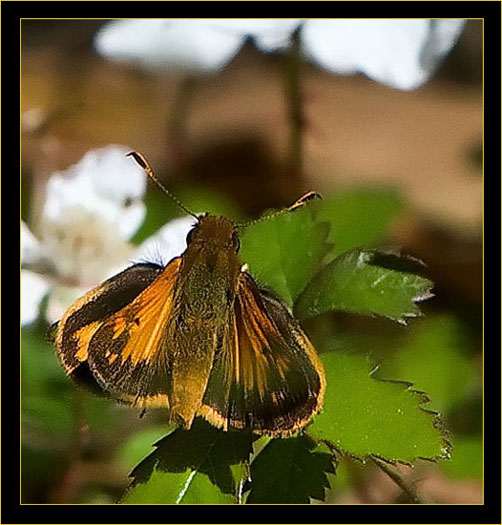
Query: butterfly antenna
x=311, y=195
x=143, y=163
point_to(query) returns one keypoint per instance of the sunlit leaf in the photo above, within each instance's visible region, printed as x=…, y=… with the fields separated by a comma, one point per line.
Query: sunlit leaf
x=360, y=216
x=139, y=444
x=363, y=416
x=357, y=282
x=284, y=251
x=187, y=487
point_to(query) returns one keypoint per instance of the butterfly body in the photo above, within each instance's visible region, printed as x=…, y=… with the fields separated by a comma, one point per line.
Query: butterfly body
x=208, y=274
x=204, y=292
x=198, y=337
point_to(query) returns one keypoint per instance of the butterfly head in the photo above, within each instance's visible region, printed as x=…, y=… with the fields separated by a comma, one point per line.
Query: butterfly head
x=214, y=231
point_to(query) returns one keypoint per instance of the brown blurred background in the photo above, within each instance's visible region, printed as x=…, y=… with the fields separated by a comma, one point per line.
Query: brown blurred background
x=231, y=134
x=427, y=142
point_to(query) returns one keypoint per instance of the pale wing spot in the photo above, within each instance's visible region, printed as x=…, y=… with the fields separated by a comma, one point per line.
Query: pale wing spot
x=83, y=338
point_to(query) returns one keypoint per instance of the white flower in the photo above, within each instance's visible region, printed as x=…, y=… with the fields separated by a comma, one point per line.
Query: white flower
x=31, y=250
x=91, y=211
x=190, y=45
x=34, y=287
x=168, y=242
x=400, y=53
x=105, y=182
x=86, y=224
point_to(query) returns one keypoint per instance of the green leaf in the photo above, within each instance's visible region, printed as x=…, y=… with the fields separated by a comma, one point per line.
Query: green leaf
x=290, y=471
x=364, y=416
x=433, y=355
x=187, y=487
x=365, y=282
x=284, y=251
x=41, y=373
x=139, y=444
x=46, y=394
x=46, y=420
x=191, y=466
x=359, y=217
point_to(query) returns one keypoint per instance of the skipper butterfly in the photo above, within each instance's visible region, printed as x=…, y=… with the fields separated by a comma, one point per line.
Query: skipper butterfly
x=198, y=337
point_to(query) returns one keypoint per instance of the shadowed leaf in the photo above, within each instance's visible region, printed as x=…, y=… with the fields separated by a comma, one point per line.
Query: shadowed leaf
x=191, y=466
x=434, y=356
x=290, y=471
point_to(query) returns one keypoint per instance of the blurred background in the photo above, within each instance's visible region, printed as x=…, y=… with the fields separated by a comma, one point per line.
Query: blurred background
x=227, y=142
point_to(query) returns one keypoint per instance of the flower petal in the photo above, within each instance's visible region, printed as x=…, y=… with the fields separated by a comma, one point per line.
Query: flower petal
x=191, y=46
x=184, y=45
x=443, y=35
x=33, y=289
x=30, y=247
x=60, y=299
x=400, y=53
x=166, y=243
x=269, y=34
x=84, y=245
x=105, y=182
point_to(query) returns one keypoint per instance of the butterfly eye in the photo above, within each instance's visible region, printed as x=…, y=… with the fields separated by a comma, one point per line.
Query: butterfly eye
x=236, y=241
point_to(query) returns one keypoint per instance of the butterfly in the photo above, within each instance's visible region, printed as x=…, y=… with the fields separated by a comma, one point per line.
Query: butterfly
x=198, y=337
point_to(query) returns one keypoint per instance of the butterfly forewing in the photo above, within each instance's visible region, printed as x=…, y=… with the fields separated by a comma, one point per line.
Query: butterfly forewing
x=119, y=330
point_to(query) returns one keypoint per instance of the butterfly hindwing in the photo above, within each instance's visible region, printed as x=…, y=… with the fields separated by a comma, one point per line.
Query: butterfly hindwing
x=266, y=374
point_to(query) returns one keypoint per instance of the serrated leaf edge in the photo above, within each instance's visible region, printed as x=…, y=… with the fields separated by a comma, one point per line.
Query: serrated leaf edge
x=437, y=423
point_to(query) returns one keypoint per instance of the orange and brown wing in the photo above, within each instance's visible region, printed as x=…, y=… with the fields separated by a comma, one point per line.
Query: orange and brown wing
x=266, y=374
x=118, y=332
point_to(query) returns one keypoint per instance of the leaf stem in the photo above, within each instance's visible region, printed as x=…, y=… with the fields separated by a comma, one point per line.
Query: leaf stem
x=407, y=488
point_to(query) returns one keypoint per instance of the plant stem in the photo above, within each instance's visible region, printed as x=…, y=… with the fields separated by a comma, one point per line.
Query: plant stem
x=294, y=102
x=176, y=125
